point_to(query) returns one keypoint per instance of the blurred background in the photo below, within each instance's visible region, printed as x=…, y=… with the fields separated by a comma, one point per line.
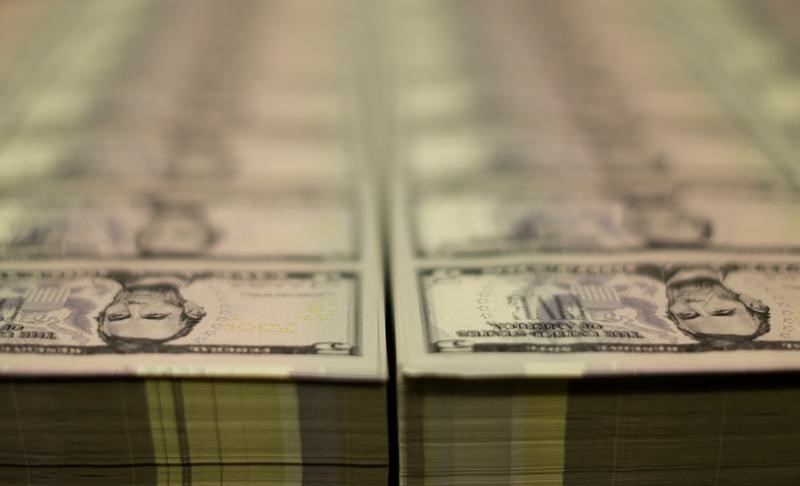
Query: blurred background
x=254, y=127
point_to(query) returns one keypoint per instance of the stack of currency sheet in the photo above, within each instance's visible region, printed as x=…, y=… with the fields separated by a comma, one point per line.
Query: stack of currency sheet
x=190, y=284
x=594, y=242
x=586, y=215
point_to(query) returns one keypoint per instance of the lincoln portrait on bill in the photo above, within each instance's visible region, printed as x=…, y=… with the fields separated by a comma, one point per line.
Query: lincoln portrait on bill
x=146, y=313
x=702, y=306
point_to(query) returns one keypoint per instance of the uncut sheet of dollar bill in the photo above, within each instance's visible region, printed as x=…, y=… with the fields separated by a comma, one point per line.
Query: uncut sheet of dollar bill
x=595, y=245
x=177, y=198
x=190, y=279
x=587, y=189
